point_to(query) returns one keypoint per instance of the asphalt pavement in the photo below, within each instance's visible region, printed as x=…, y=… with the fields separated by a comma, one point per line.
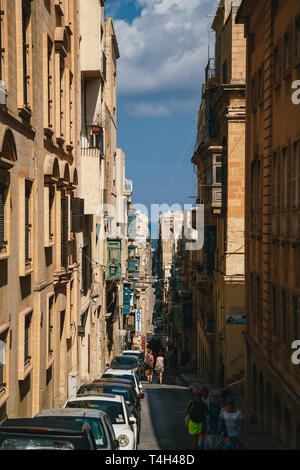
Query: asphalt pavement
x=163, y=416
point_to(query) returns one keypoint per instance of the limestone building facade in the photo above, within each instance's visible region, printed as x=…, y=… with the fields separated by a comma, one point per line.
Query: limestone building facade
x=272, y=29
x=220, y=162
x=39, y=135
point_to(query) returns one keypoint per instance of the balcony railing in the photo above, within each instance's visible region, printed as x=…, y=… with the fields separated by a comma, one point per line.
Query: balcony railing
x=210, y=69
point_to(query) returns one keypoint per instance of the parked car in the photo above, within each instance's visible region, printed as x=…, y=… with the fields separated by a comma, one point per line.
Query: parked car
x=140, y=356
x=45, y=434
x=123, y=422
x=98, y=421
x=127, y=363
x=116, y=388
x=125, y=374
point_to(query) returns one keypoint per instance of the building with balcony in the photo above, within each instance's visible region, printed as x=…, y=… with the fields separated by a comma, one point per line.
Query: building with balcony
x=220, y=162
x=272, y=29
x=40, y=213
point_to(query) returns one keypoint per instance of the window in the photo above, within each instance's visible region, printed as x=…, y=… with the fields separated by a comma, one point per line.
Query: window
x=296, y=173
x=26, y=12
x=276, y=63
x=260, y=85
x=2, y=49
x=284, y=178
x=2, y=214
x=27, y=223
x=64, y=231
x=51, y=210
x=274, y=307
x=3, y=360
x=258, y=297
x=50, y=80
x=71, y=107
x=287, y=52
x=275, y=182
x=61, y=96
x=27, y=344
x=253, y=92
x=297, y=38
x=224, y=72
x=84, y=270
x=284, y=318
x=50, y=324
x=295, y=318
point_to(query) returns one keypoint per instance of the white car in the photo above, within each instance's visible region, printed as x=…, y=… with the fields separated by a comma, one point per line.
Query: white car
x=124, y=424
x=124, y=374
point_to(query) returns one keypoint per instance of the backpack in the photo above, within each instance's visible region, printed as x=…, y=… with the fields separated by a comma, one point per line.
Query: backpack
x=198, y=412
x=148, y=361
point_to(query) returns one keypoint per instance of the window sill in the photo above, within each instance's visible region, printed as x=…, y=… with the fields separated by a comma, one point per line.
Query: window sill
x=25, y=113
x=60, y=141
x=48, y=132
x=4, y=253
x=24, y=372
x=27, y=270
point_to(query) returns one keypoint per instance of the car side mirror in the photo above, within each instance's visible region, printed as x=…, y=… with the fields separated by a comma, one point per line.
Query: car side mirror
x=132, y=419
x=115, y=444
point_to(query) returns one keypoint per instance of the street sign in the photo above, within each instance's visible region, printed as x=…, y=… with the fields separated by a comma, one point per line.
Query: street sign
x=138, y=322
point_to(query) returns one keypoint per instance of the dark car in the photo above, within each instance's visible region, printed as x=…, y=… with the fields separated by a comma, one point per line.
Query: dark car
x=141, y=358
x=45, y=434
x=116, y=388
x=127, y=362
x=98, y=421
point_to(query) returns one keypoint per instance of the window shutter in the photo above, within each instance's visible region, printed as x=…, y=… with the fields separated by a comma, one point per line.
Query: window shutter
x=77, y=208
x=64, y=231
x=2, y=202
x=83, y=270
x=27, y=226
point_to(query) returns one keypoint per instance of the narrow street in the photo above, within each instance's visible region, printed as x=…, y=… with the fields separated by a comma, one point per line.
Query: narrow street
x=163, y=417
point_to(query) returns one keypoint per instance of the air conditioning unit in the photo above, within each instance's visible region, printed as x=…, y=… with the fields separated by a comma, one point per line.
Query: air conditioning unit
x=3, y=93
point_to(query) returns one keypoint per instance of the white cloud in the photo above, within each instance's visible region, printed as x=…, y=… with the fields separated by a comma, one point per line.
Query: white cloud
x=163, y=54
x=147, y=110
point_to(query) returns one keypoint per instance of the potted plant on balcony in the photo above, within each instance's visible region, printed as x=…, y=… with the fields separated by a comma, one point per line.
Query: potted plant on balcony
x=97, y=124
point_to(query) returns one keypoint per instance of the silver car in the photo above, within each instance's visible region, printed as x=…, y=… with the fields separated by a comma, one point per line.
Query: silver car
x=98, y=421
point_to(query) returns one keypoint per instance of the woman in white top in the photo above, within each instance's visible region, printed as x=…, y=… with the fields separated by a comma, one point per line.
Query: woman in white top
x=160, y=366
x=234, y=422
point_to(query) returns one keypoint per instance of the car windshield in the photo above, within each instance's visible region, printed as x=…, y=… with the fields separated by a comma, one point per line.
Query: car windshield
x=115, y=390
x=121, y=361
x=36, y=444
x=135, y=354
x=125, y=376
x=112, y=408
x=95, y=425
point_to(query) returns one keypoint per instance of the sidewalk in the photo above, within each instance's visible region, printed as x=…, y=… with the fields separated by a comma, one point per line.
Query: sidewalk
x=253, y=438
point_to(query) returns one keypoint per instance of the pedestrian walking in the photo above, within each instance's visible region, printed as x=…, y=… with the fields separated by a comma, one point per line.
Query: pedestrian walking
x=214, y=428
x=149, y=363
x=196, y=411
x=159, y=367
x=234, y=423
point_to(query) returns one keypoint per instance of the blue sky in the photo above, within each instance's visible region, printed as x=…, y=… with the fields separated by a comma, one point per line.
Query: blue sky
x=164, y=48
